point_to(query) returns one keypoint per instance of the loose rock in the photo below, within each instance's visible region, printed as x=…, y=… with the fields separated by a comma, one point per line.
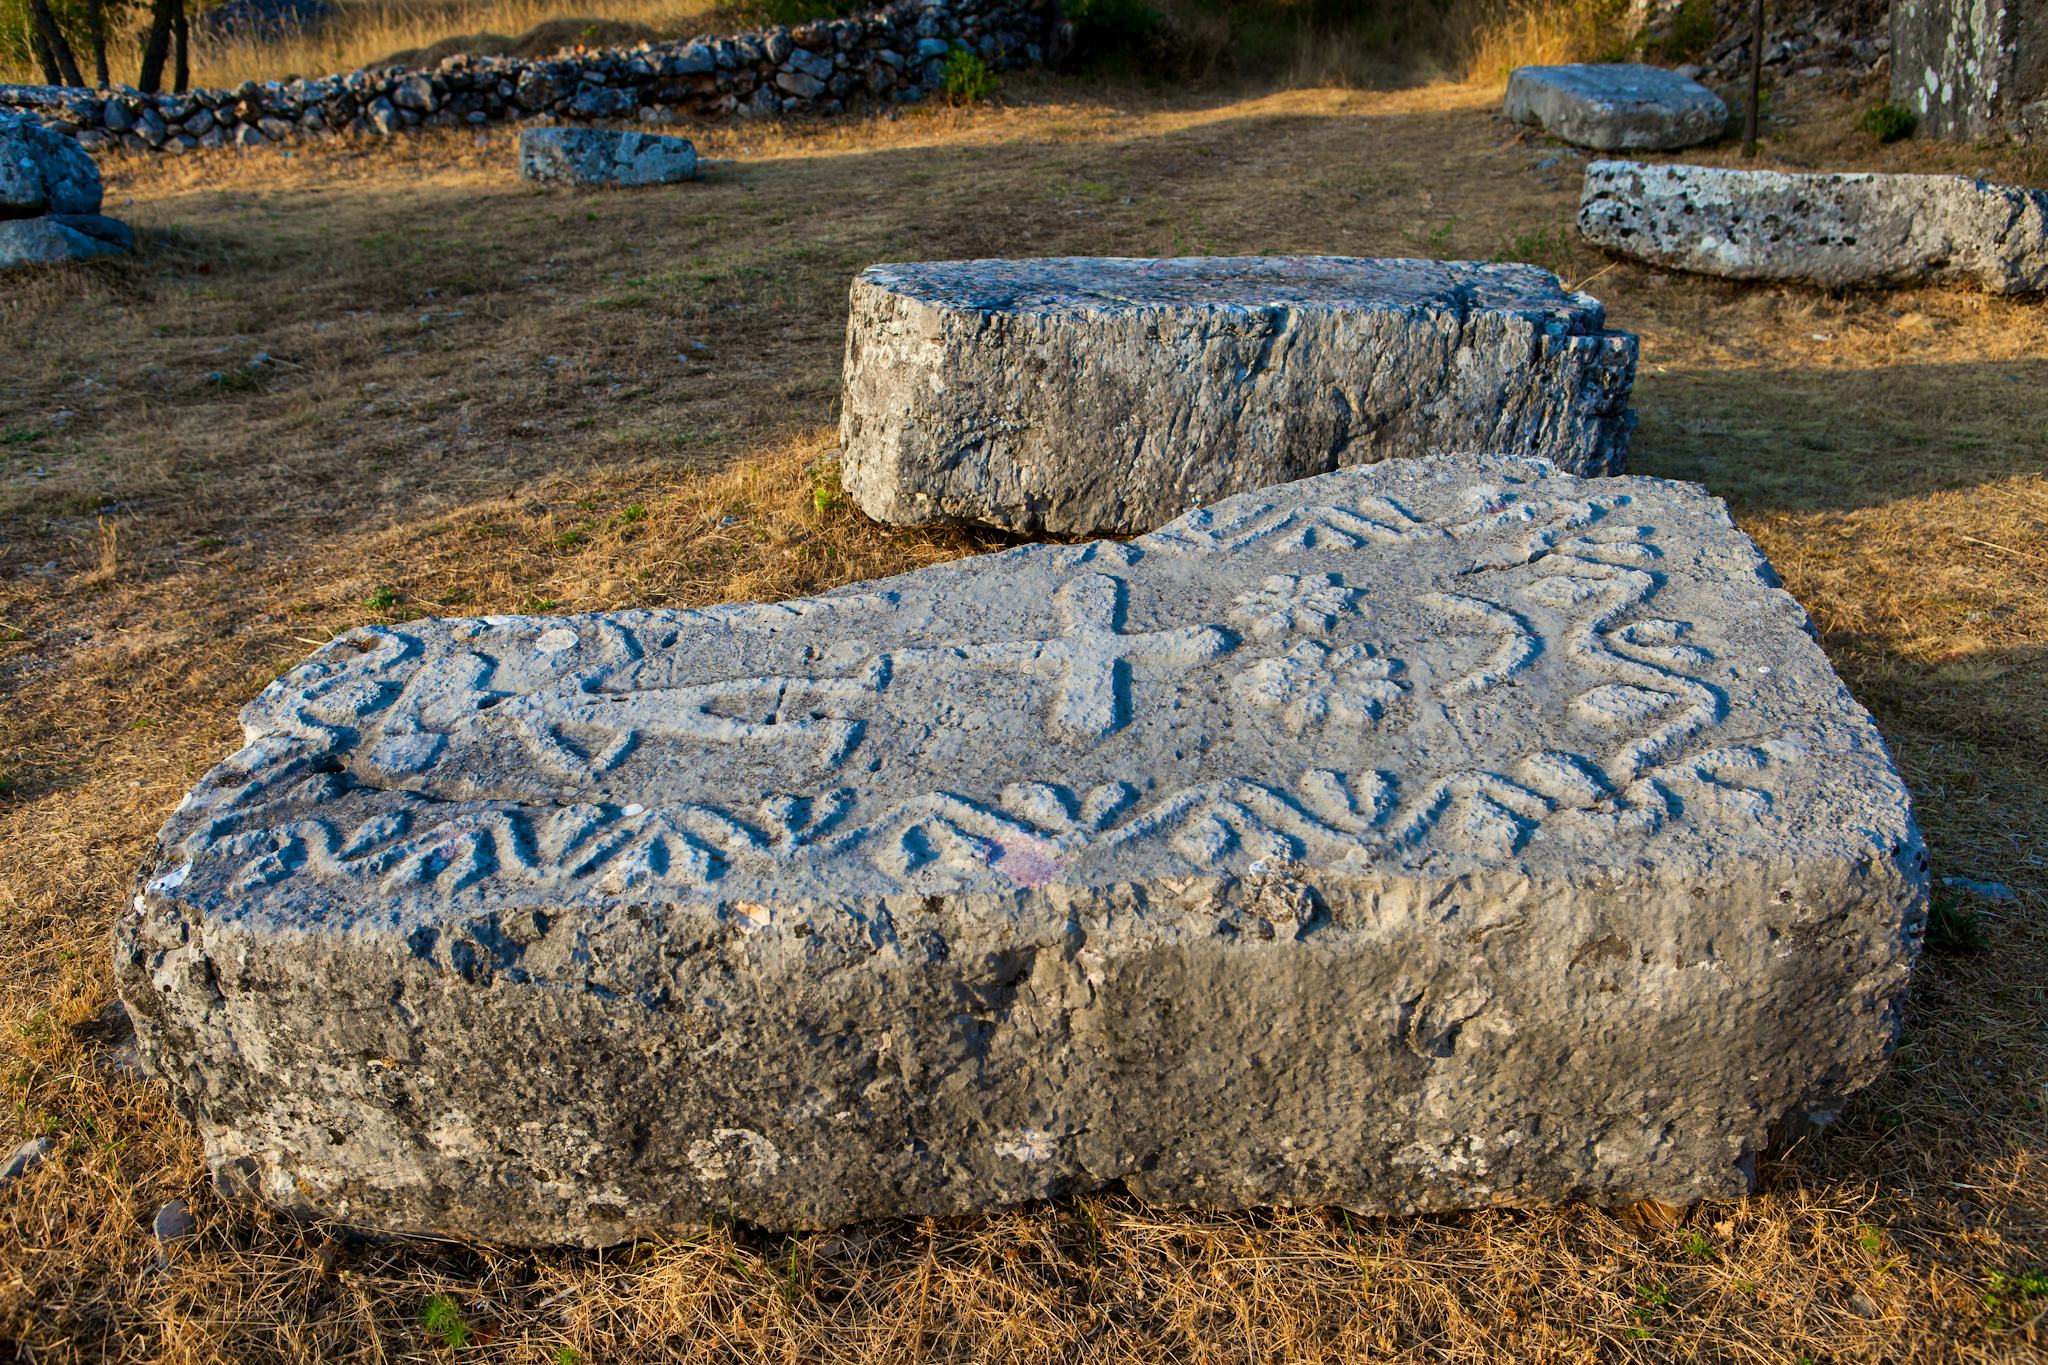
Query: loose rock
x=173, y=1223
x=1617, y=106
x=1436, y=835
x=50, y=199
x=26, y=1158
x=1099, y=396
x=1838, y=231
x=601, y=156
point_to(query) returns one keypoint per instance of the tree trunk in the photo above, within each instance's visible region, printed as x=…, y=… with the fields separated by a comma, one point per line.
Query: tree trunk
x=51, y=76
x=156, y=47
x=181, y=30
x=96, y=25
x=53, y=38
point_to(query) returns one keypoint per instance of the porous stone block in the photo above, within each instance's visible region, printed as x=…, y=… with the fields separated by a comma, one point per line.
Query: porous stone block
x=42, y=172
x=602, y=156
x=1972, y=68
x=1838, y=230
x=1103, y=396
x=62, y=237
x=1616, y=106
x=1434, y=835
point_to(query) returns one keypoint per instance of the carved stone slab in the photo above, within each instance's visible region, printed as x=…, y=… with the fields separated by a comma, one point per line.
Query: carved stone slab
x=604, y=156
x=1102, y=396
x=1834, y=230
x=1434, y=835
x=1615, y=106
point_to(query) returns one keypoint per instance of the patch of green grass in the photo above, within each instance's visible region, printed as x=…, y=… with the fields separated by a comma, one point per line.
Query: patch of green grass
x=1888, y=122
x=442, y=1320
x=568, y=541
x=22, y=436
x=2005, y=1293
x=533, y=605
x=969, y=79
x=1698, y=1247
x=1953, y=927
x=826, y=494
x=1549, y=246
x=383, y=599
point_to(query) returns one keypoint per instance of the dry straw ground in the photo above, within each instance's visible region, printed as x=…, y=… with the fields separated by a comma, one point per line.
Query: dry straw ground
x=341, y=387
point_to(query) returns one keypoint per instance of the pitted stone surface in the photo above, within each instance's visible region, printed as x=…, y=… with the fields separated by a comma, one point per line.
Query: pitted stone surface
x=1972, y=68
x=1434, y=835
x=1839, y=231
x=1088, y=395
x=43, y=172
x=1616, y=106
x=603, y=156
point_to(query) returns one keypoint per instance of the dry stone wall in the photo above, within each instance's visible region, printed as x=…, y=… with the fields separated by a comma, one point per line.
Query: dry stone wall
x=895, y=54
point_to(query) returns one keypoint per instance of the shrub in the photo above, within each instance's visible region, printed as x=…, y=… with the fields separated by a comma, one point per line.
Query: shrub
x=1888, y=122
x=968, y=78
x=1691, y=32
x=1113, y=28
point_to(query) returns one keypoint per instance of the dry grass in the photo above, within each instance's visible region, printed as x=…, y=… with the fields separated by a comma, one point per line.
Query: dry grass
x=479, y=398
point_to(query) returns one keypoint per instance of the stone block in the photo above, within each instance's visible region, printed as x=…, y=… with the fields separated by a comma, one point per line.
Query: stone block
x=1972, y=68
x=1614, y=107
x=43, y=171
x=1434, y=835
x=1836, y=230
x=62, y=237
x=1101, y=396
x=601, y=156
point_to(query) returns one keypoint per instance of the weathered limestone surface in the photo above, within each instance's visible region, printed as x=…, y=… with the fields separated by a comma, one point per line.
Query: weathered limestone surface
x=1839, y=231
x=1616, y=106
x=50, y=199
x=1972, y=68
x=1098, y=396
x=1434, y=835
x=604, y=156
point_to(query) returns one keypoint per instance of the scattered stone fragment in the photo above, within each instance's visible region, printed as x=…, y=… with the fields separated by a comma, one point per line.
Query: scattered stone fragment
x=173, y=1223
x=1098, y=396
x=602, y=156
x=26, y=1158
x=1433, y=835
x=1616, y=106
x=1972, y=70
x=1996, y=892
x=1838, y=231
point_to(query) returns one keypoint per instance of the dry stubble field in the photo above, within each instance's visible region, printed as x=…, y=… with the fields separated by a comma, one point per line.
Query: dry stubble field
x=478, y=398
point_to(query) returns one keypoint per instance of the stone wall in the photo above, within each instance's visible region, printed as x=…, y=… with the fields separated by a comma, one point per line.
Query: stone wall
x=1972, y=68
x=895, y=54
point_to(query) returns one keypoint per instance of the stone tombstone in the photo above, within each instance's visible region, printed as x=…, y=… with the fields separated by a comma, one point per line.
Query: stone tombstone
x=1088, y=396
x=50, y=198
x=1972, y=68
x=1434, y=835
x=604, y=156
x=1837, y=231
x=1616, y=106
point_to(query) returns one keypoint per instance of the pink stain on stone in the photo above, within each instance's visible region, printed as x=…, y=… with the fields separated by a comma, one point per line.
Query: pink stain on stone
x=1024, y=860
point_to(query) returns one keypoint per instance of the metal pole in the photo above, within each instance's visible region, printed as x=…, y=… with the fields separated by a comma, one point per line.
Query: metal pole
x=1756, y=77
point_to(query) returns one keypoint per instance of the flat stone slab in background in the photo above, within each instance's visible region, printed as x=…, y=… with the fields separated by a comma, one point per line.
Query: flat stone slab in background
x=1616, y=106
x=604, y=156
x=1087, y=395
x=1435, y=835
x=1837, y=231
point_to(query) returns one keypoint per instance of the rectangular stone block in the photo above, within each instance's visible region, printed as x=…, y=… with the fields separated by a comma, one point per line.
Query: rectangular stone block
x=1433, y=835
x=604, y=156
x=1091, y=395
x=1859, y=229
x=1615, y=106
